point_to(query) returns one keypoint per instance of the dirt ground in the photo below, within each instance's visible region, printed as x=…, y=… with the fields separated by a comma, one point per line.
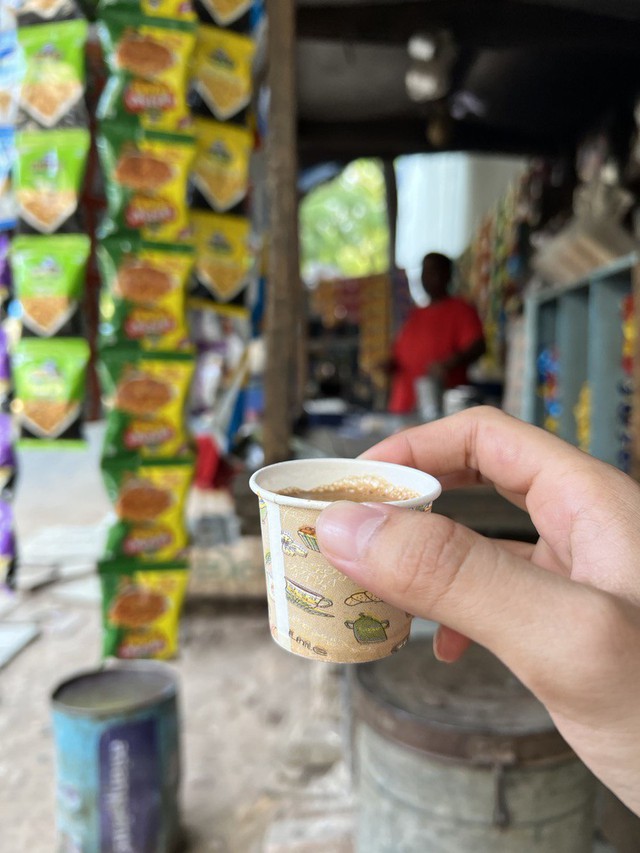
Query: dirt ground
x=259, y=725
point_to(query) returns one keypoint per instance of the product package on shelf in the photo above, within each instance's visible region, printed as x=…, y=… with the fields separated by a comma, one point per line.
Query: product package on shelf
x=141, y=606
x=149, y=498
x=146, y=175
x=148, y=60
x=171, y=10
x=7, y=159
x=220, y=173
x=145, y=395
x=222, y=74
x=225, y=257
x=43, y=11
x=49, y=377
x=48, y=281
x=143, y=293
x=48, y=175
x=12, y=68
x=52, y=93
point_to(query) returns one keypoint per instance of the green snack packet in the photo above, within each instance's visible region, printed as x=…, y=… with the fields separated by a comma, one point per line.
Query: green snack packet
x=147, y=394
x=48, y=175
x=48, y=280
x=146, y=175
x=54, y=83
x=142, y=301
x=171, y=10
x=149, y=63
x=149, y=497
x=141, y=607
x=49, y=378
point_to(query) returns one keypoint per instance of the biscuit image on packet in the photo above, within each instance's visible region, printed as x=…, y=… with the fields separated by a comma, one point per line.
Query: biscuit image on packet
x=225, y=259
x=148, y=58
x=149, y=498
x=48, y=175
x=146, y=393
x=141, y=607
x=49, y=277
x=142, y=301
x=146, y=175
x=49, y=377
x=55, y=78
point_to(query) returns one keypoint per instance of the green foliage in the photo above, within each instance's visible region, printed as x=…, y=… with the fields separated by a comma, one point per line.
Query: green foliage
x=343, y=224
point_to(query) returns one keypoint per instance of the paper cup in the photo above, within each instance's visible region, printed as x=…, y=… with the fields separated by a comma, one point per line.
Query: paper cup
x=314, y=610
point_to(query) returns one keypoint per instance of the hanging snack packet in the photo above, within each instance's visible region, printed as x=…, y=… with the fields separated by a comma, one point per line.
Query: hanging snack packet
x=7, y=545
x=53, y=86
x=49, y=379
x=149, y=63
x=221, y=167
x=141, y=608
x=222, y=71
x=147, y=393
x=149, y=498
x=48, y=176
x=143, y=293
x=12, y=69
x=225, y=261
x=49, y=276
x=7, y=201
x=5, y=268
x=40, y=11
x=7, y=457
x=146, y=176
x=227, y=12
x=5, y=369
x=171, y=10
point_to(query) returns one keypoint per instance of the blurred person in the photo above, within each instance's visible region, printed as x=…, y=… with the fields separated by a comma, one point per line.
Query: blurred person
x=563, y=614
x=439, y=341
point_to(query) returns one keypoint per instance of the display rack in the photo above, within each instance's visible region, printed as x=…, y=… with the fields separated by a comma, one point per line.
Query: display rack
x=582, y=323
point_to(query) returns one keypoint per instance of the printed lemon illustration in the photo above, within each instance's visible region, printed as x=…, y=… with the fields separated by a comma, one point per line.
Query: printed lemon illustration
x=367, y=629
x=263, y=510
x=289, y=546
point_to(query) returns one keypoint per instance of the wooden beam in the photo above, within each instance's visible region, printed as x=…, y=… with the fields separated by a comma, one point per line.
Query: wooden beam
x=283, y=285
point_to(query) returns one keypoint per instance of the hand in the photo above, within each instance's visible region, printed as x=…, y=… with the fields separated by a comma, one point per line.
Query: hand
x=563, y=614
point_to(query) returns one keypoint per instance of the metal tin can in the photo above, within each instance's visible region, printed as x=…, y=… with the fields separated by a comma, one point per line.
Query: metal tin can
x=116, y=735
x=462, y=758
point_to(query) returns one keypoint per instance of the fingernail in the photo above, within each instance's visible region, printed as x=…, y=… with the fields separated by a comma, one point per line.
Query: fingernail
x=345, y=529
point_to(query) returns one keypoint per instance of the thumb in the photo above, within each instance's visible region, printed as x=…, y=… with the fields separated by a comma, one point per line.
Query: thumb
x=433, y=567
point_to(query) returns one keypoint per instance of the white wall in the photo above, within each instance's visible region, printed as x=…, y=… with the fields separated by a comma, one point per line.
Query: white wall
x=441, y=200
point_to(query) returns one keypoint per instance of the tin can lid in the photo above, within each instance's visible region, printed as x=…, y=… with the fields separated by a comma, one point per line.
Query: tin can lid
x=474, y=711
x=116, y=688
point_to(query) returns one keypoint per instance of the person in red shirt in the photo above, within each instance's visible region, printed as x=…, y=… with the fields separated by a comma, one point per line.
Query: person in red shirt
x=439, y=341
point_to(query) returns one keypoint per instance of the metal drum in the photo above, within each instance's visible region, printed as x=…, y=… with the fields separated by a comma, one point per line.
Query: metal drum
x=118, y=763
x=462, y=759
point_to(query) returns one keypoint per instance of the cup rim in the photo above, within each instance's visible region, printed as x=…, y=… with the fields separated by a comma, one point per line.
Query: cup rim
x=432, y=489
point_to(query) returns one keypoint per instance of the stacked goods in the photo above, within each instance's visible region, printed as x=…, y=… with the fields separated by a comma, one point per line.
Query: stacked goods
x=145, y=258
x=226, y=256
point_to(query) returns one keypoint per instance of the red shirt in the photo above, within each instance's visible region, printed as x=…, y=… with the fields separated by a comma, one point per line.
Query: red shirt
x=429, y=335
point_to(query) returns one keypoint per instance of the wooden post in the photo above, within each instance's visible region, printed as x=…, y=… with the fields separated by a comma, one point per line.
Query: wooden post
x=283, y=284
x=391, y=193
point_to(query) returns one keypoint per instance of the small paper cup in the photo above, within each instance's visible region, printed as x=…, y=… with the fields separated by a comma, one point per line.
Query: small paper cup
x=314, y=610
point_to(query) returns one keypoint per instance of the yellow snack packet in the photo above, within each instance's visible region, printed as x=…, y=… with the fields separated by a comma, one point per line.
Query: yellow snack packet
x=141, y=608
x=221, y=166
x=146, y=175
x=225, y=260
x=222, y=71
x=146, y=392
x=149, y=63
x=149, y=497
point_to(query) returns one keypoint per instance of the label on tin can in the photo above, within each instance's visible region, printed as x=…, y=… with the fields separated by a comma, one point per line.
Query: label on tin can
x=130, y=796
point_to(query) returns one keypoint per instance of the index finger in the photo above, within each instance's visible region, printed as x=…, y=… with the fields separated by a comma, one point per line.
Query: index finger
x=554, y=478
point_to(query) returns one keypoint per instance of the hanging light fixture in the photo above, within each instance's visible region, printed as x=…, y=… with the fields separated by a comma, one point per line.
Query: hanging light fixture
x=432, y=56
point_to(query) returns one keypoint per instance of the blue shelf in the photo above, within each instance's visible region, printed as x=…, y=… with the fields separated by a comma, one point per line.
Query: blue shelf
x=583, y=321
